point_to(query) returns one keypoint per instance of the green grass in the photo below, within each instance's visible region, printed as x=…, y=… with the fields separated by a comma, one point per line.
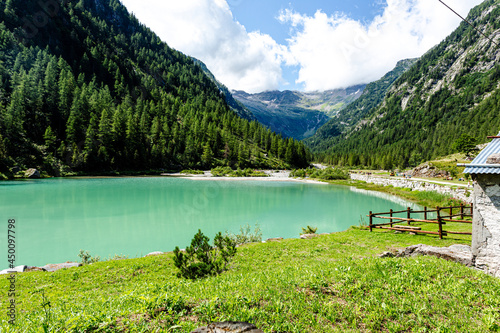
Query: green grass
x=423, y=198
x=333, y=283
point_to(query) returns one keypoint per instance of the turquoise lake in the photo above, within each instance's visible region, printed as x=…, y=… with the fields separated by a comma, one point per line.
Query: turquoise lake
x=55, y=218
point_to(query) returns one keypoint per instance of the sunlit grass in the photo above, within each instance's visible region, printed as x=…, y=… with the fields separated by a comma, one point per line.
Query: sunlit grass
x=333, y=283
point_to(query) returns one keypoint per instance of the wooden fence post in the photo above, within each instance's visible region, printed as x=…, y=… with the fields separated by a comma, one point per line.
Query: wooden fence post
x=439, y=223
x=371, y=221
x=461, y=211
x=451, y=212
x=391, y=219
x=425, y=213
x=408, y=215
x=472, y=209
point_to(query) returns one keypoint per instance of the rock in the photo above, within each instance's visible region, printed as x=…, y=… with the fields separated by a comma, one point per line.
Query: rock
x=274, y=239
x=156, y=253
x=228, y=327
x=56, y=267
x=386, y=255
x=493, y=159
x=308, y=236
x=18, y=269
x=32, y=173
x=34, y=269
x=428, y=171
x=458, y=253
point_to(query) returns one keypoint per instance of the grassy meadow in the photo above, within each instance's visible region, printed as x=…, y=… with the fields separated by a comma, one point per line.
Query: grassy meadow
x=333, y=283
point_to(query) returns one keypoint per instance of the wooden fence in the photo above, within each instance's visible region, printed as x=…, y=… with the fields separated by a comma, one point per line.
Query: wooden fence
x=443, y=215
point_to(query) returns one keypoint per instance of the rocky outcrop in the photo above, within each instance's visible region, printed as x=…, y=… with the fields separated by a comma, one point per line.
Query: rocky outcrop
x=228, y=327
x=428, y=171
x=56, y=267
x=493, y=159
x=457, y=253
x=32, y=173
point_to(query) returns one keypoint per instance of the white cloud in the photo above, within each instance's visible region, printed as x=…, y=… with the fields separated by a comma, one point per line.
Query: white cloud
x=206, y=29
x=336, y=51
x=331, y=51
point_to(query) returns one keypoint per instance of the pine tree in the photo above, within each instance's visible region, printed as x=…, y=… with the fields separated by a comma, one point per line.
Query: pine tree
x=50, y=139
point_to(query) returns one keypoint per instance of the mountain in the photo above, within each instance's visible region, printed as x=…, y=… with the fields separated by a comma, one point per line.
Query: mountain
x=85, y=87
x=348, y=118
x=296, y=114
x=453, y=89
x=238, y=107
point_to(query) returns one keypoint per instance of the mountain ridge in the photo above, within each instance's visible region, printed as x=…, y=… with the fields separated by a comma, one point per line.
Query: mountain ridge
x=94, y=90
x=453, y=89
x=297, y=114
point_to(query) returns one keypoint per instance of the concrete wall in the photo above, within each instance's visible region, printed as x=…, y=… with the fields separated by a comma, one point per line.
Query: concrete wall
x=460, y=193
x=486, y=223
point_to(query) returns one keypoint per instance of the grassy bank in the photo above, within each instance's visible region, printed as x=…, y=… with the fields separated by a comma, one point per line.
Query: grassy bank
x=423, y=198
x=334, y=283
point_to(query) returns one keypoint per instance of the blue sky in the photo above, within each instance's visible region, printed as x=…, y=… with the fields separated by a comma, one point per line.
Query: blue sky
x=261, y=14
x=307, y=45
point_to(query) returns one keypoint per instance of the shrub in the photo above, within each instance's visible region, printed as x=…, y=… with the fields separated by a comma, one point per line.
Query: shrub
x=246, y=235
x=192, y=172
x=308, y=230
x=201, y=259
x=87, y=258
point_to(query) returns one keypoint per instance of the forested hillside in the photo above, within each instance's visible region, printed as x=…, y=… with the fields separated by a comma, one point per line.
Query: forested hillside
x=347, y=119
x=453, y=89
x=86, y=87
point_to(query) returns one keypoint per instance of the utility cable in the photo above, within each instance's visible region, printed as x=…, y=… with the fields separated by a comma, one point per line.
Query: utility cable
x=469, y=23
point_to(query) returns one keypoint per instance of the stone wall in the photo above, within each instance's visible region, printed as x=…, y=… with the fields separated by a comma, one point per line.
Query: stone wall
x=486, y=223
x=460, y=194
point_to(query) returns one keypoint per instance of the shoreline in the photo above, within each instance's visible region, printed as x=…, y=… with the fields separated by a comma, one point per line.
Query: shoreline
x=279, y=176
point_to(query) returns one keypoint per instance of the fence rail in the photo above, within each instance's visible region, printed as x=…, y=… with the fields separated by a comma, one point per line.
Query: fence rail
x=441, y=219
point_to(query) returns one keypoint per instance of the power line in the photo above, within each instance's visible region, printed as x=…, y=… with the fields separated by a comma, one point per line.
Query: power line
x=469, y=23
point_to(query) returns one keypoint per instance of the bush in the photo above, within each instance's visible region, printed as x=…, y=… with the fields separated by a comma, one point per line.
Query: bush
x=221, y=171
x=192, y=172
x=246, y=235
x=308, y=230
x=325, y=174
x=201, y=259
x=87, y=258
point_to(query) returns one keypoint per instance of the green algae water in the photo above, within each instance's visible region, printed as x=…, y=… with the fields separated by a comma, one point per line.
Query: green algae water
x=55, y=218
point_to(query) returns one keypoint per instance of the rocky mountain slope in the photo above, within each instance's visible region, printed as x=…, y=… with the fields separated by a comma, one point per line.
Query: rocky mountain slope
x=453, y=89
x=297, y=114
x=348, y=118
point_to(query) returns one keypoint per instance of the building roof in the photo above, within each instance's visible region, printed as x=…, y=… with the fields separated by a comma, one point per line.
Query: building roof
x=479, y=166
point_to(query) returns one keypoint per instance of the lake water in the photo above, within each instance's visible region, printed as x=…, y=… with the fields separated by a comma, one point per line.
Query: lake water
x=55, y=218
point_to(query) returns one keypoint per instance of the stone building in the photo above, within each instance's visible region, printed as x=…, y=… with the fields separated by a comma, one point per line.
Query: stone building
x=485, y=171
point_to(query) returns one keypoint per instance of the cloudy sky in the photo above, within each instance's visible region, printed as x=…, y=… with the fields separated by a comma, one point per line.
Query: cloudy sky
x=308, y=45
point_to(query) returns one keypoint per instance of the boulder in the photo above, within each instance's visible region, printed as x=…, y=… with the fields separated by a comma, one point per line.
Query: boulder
x=493, y=159
x=34, y=269
x=18, y=269
x=156, y=253
x=428, y=171
x=458, y=253
x=228, y=327
x=274, y=239
x=56, y=267
x=32, y=173
x=308, y=236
